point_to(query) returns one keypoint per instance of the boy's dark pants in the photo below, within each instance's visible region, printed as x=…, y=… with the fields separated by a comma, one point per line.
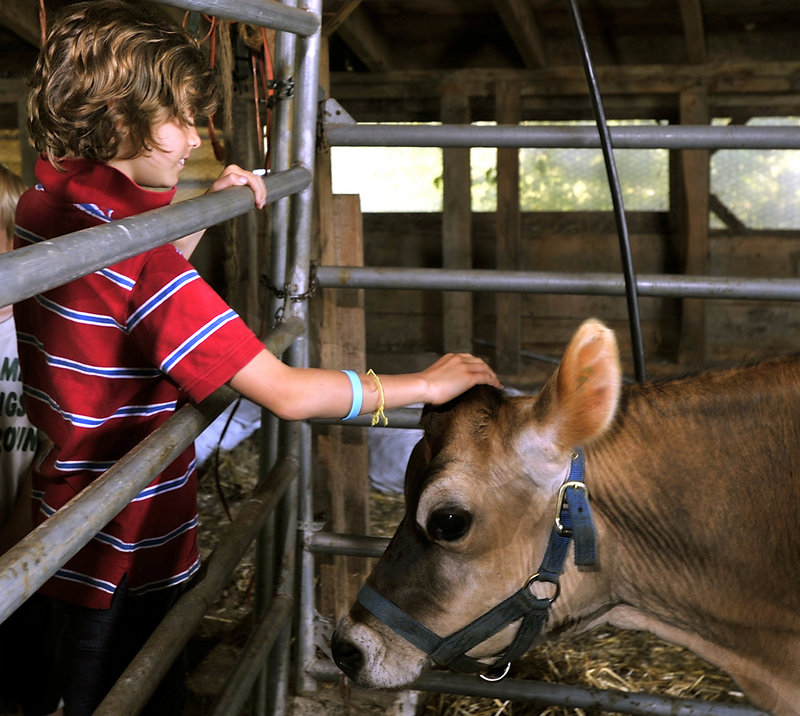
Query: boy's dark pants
x=27, y=659
x=96, y=645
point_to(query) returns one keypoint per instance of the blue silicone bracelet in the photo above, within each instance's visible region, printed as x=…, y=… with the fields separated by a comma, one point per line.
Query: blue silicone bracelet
x=358, y=394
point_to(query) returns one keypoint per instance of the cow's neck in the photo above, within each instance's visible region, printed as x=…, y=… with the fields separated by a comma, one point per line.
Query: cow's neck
x=690, y=491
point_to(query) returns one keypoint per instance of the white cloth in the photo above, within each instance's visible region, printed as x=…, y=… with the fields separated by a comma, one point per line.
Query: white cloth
x=245, y=421
x=389, y=450
x=17, y=436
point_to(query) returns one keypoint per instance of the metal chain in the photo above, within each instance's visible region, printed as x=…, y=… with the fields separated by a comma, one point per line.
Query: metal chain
x=284, y=294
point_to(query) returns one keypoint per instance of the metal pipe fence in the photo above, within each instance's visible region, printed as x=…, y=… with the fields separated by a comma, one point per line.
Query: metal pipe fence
x=33, y=269
x=266, y=13
x=298, y=283
x=597, y=284
x=38, y=268
x=141, y=678
x=547, y=694
x=251, y=662
x=662, y=136
x=274, y=561
x=32, y=561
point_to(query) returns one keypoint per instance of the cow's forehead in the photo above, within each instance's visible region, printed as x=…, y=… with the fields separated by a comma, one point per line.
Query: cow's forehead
x=460, y=439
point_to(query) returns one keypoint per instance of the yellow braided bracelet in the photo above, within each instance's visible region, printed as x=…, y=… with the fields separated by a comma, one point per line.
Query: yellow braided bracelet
x=378, y=414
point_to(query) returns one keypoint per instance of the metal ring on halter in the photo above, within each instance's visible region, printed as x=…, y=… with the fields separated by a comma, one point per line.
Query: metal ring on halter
x=497, y=678
x=535, y=578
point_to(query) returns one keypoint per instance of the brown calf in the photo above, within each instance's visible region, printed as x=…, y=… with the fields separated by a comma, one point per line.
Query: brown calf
x=695, y=494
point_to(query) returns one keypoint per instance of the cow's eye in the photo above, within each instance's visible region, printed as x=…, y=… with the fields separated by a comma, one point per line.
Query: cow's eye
x=448, y=525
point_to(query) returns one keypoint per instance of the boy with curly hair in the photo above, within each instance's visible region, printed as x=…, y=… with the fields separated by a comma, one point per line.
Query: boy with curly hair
x=108, y=358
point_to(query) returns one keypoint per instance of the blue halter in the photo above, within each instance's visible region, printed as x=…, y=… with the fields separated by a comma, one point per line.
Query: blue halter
x=573, y=521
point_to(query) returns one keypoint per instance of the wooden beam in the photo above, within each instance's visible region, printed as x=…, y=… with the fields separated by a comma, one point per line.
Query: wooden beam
x=765, y=78
x=456, y=229
x=693, y=30
x=359, y=34
x=725, y=215
x=341, y=481
x=521, y=25
x=342, y=451
x=22, y=18
x=336, y=13
x=693, y=229
x=557, y=93
x=508, y=329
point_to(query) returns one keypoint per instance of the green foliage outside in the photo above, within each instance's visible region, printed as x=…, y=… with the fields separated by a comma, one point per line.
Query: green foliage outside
x=760, y=187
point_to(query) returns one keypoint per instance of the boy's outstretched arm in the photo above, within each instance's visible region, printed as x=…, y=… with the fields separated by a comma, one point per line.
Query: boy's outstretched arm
x=300, y=393
x=232, y=175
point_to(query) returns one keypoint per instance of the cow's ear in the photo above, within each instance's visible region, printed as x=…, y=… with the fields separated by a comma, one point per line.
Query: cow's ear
x=587, y=385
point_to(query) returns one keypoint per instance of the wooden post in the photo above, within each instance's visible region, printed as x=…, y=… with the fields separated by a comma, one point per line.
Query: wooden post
x=342, y=451
x=341, y=469
x=692, y=211
x=456, y=228
x=248, y=233
x=508, y=330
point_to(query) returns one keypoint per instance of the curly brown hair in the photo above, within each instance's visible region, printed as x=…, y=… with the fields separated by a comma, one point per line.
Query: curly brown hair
x=110, y=66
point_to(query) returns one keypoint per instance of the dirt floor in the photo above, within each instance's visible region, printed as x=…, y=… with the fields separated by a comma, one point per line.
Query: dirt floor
x=605, y=658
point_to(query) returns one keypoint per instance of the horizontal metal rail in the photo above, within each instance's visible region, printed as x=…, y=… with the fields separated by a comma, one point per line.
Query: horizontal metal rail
x=677, y=136
x=349, y=545
x=265, y=13
x=33, y=269
x=541, y=692
x=142, y=676
x=33, y=560
x=600, y=284
x=397, y=417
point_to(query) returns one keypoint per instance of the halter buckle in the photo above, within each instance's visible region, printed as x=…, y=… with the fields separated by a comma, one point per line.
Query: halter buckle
x=561, y=503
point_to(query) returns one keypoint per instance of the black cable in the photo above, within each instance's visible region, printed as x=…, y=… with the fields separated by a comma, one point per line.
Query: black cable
x=616, y=196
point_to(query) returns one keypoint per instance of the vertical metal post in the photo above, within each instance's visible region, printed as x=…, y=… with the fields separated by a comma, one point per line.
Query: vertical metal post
x=305, y=122
x=273, y=554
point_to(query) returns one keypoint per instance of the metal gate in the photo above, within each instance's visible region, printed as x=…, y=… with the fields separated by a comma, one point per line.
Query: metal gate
x=341, y=130
x=265, y=660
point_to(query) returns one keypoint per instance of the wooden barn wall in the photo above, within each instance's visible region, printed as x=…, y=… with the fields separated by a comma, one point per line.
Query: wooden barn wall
x=404, y=328
x=741, y=331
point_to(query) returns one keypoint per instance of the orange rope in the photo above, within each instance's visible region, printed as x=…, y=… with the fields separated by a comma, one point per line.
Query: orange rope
x=43, y=21
x=263, y=71
x=219, y=150
x=267, y=75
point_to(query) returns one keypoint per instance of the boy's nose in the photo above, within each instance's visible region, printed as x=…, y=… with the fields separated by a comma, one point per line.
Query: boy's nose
x=193, y=137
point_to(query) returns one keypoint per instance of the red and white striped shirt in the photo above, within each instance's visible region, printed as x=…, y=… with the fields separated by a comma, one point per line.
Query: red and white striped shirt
x=107, y=359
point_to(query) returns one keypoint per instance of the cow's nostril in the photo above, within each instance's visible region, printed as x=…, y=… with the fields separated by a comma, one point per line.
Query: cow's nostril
x=348, y=657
